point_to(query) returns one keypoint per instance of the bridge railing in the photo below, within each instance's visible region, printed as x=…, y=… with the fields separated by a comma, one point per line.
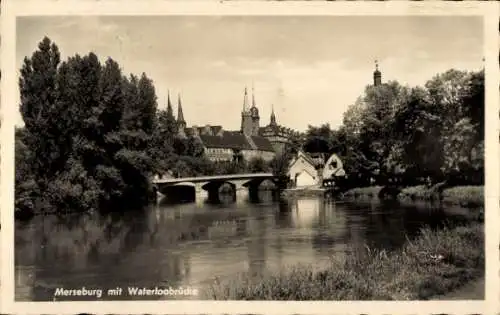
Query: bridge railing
x=213, y=177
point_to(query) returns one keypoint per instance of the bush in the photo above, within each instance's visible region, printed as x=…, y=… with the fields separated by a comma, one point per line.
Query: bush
x=363, y=193
x=465, y=196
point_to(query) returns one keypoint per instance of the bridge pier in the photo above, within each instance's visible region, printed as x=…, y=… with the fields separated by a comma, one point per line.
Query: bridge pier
x=220, y=188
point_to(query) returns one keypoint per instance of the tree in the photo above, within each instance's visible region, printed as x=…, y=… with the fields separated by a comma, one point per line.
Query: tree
x=319, y=139
x=280, y=163
x=257, y=165
x=38, y=90
x=459, y=146
x=87, y=131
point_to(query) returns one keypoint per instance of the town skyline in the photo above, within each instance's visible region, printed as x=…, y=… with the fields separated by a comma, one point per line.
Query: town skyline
x=209, y=60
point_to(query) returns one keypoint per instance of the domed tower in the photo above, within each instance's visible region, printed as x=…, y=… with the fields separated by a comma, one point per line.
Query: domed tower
x=254, y=112
x=377, y=75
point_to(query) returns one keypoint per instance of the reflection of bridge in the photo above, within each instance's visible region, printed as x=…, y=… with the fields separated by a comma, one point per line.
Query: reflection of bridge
x=214, y=184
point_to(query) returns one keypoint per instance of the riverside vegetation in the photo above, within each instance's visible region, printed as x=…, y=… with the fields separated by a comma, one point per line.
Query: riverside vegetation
x=435, y=263
x=94, y=136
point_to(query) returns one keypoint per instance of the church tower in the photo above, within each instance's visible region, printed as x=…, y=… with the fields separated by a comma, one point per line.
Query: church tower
x=377, y=75
x=255, y=116
x=170, y=111
x=181, y=123
x=246, y=116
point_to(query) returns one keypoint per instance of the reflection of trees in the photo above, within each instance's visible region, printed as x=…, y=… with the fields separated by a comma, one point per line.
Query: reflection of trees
x=388, y=226
x=109, y=250
x=256, y=245
x=283, y=215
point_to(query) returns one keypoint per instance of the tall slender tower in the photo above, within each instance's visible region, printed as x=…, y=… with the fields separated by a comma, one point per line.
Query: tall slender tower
x=377, y=75
x=254, y=111
x=181, y=123
x=246, y=116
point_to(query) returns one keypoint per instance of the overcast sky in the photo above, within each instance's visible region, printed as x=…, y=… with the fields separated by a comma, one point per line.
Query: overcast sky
x=310, y=68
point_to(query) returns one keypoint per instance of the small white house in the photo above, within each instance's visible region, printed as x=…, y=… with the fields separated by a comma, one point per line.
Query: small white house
x=333, y=167
x=302, y=171
x=305, y=171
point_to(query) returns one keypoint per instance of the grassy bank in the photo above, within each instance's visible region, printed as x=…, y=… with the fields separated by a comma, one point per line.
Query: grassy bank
x=303, y=193
x=465, y=196
x=434, y=264
x=362, y=193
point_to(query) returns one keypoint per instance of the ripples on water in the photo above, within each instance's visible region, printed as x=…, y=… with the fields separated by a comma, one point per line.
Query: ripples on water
x=192, y=244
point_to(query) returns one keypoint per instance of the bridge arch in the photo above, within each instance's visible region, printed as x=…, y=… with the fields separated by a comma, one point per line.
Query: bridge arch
x=179, y=192
x=217, y=184
x=260, y=182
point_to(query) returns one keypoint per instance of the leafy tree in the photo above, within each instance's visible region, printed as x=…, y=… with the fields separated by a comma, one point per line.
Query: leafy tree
x=38, y=91
x=319, y=139
x=257, y=165
x=86, y=135
x=279, y=164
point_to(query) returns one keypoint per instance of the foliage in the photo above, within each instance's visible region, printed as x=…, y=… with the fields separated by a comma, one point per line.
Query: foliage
x=433, y=264
x=279, y=164
x=257, y=165
x=413, y=134
x=86, y=131
x=465, y=196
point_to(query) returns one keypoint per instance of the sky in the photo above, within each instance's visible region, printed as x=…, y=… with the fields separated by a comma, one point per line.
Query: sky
x=309, y=68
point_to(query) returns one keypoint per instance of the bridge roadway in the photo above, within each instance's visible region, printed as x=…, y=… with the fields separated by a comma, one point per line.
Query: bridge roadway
x=212, y=184
x=215, y=177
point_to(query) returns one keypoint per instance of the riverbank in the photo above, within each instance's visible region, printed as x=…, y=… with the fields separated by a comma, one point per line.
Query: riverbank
x=465, y=196
x=303, y=192
x=434, y=264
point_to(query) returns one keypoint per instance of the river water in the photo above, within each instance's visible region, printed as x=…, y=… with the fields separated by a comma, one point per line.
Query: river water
x=191, y=245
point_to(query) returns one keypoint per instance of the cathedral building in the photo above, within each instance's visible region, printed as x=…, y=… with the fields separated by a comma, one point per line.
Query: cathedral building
x=251, y=141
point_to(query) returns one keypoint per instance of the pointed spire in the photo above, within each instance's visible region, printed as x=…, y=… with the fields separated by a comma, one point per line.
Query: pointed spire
x=273, y=117
x=245, y=101
x=180, y=114
x=170, y=111
x=253, y=96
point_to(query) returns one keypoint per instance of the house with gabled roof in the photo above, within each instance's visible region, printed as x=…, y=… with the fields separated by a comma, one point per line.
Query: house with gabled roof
x=306, y=170
x=302, y=170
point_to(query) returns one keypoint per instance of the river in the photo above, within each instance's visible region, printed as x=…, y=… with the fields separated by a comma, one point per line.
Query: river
x=193, y=244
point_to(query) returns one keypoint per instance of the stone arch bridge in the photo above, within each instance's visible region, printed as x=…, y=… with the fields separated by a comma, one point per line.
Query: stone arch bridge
x=213, y=184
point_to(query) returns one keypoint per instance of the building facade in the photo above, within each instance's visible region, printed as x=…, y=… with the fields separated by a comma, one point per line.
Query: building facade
x=251, y=141
x=308, y=170
x=279, y=136
x=303, y=172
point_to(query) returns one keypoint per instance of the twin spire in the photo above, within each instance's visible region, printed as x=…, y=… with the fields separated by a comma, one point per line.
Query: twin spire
x=246, y=109
x=245, y=99
x=180, y=114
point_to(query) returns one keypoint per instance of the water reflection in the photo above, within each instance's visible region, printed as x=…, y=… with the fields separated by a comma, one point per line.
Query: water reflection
x=190, y=244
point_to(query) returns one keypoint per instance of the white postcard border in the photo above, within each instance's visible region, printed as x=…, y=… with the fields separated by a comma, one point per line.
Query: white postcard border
x=13, y=8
